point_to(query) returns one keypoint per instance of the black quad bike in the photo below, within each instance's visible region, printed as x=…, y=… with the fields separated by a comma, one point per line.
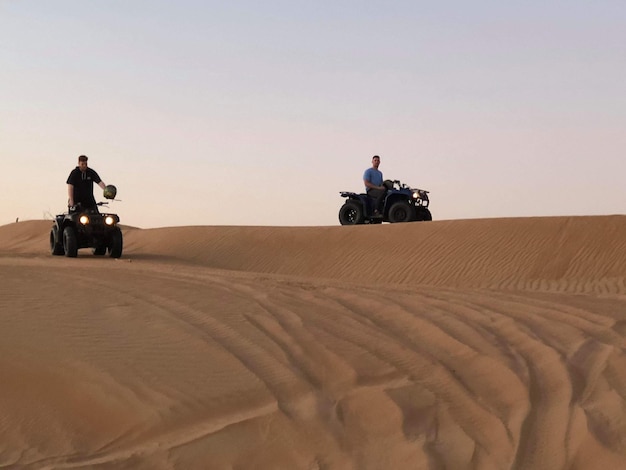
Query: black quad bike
x=401, y=204
x=86, y=228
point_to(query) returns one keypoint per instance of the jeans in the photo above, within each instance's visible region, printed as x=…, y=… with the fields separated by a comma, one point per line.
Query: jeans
x=378, y=195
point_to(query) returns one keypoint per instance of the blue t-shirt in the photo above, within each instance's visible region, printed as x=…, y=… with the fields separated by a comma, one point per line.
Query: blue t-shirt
x=374, y=176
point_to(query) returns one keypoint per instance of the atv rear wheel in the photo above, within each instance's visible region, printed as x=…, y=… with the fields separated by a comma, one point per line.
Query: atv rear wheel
x=401, y=211
x=100, y=250
x=56, y=248
x=351, y=213
x=70, y=244
x=117, y=243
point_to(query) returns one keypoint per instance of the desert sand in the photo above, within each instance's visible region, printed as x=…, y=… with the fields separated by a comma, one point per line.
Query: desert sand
x=466, y=344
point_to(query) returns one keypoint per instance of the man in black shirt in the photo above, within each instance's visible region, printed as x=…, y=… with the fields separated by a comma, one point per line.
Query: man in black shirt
x=80, y=185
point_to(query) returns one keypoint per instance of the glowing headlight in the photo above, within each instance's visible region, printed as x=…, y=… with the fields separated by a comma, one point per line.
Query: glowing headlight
x=84, y=219
x=109, y=220
x=416, y=195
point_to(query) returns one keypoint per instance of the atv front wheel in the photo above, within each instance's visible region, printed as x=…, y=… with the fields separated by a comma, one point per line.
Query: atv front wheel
x=56, y=248
x=401, y=211
x=70, y=244
x=424, y=214
x=351, y=213
x=115, y=248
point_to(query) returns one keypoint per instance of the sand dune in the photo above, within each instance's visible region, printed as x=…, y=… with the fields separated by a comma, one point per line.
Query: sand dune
x=469, y=344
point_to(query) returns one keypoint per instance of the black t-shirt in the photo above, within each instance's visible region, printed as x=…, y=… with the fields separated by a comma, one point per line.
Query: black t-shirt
x=83, y=186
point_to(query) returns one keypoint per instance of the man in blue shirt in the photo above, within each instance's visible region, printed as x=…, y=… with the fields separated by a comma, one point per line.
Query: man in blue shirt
x=373, y=180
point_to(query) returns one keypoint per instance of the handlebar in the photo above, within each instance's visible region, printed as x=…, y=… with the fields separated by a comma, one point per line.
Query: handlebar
x=79, y=207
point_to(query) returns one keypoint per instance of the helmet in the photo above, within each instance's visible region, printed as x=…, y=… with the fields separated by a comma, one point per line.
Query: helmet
x=110, y=191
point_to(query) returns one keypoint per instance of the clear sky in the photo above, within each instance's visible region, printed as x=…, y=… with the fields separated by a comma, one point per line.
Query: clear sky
x=244, y=112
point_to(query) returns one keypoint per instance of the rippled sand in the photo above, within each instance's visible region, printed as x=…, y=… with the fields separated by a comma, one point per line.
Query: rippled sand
x=469, y=344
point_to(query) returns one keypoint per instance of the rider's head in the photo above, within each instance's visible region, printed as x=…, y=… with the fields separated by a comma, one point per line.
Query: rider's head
x=82, y=163
x=375, y=161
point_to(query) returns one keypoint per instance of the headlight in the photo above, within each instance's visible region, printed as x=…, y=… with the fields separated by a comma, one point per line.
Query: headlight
x=84, y=219
x=109, y=220
x=416, y=195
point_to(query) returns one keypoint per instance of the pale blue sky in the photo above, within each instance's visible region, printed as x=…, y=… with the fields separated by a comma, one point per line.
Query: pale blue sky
x=259, y=113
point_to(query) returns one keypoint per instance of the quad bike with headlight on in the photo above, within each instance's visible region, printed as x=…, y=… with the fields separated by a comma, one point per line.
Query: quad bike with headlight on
x=401, y=204
x=87, y=228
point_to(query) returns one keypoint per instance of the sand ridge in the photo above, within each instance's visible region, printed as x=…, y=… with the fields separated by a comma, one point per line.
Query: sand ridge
x=573, y=254
x=496, y=343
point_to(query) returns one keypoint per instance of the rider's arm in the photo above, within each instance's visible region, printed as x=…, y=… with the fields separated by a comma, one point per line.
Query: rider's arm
x=370, y=185
x=70, y=194
x=102, y=185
